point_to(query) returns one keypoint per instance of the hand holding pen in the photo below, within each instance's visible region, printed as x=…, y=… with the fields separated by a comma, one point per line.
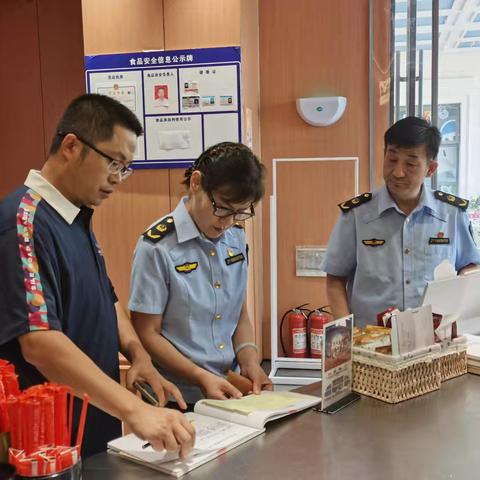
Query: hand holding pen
x=164, y=428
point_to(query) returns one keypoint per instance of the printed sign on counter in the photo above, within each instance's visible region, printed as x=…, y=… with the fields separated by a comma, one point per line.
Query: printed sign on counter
x=337, y=360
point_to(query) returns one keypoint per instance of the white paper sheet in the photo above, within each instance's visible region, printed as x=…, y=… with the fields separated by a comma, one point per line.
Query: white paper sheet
x=412, y=330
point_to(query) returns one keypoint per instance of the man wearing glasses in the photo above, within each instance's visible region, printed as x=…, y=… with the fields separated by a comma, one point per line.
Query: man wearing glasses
x=189, y=278
x=59, y=317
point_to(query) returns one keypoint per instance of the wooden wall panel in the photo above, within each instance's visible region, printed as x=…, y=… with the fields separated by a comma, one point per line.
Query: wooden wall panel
x=42, y=52
x=60, y=36
x=311, y=48
x=304, y=217
x=177, y=189
x=21, y=122
x=115, y=26
x=201, y=24
x=249, y=41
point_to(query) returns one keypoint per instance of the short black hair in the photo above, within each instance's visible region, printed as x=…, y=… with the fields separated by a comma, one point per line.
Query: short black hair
x=412, y=132
x=232, y=168
x=93, y=117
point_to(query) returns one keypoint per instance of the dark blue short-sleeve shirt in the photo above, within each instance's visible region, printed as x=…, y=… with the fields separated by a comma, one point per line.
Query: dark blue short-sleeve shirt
x=53, y=277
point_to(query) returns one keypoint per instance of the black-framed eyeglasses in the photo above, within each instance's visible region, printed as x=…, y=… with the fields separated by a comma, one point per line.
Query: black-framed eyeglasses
x=238, y=215
x=115, y=167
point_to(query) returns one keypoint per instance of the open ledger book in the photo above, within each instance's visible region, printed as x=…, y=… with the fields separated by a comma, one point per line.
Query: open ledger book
x=220, y=426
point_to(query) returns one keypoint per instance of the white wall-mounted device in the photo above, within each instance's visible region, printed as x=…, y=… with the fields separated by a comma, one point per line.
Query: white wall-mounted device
x=321, y=111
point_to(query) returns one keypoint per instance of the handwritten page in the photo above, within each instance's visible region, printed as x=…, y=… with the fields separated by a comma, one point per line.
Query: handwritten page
x=211, y=435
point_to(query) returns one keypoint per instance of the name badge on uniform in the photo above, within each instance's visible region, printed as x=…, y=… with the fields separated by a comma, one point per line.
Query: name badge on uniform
x=373, y=242
x=438, y=241
x=187, y=267
x=235, y=259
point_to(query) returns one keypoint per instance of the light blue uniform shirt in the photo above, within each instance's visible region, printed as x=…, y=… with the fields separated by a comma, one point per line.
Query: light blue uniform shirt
x=201, y=303
x=394, y=273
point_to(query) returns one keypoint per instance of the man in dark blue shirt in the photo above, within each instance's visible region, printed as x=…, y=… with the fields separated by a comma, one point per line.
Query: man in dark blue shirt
x=59, y=317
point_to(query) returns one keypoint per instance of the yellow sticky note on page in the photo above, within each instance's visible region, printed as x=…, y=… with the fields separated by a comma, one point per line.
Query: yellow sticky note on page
x=253, y=403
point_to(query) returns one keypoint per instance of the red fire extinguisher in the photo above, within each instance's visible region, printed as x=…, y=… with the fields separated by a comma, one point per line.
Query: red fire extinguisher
x=316, y=320
x=297, y=332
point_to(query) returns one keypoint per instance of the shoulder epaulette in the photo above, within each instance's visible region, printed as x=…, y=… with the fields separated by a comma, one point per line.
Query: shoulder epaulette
x=237, y=225
x=355, y=202
x=451, y=199
x=160, y=230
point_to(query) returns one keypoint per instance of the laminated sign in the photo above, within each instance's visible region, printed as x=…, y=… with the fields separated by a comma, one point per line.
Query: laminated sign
x=186, y=100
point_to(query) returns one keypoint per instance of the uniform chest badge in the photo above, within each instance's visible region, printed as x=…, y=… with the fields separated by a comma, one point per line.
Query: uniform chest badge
x=234, y=259
x=373, y=242
x=440, y=239
x=187, y=267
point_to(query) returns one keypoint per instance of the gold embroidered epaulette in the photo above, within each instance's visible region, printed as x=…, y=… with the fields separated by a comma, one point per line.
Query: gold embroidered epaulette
x=355, y=202
x=160, y=230
x=451, y=199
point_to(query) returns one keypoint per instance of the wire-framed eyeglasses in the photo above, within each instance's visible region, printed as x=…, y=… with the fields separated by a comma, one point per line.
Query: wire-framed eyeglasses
x=223, y=212
x=115, y=167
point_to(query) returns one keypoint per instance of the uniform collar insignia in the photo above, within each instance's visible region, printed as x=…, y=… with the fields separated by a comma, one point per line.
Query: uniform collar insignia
x=355, y=202
x=451, y=199
x=160, y=230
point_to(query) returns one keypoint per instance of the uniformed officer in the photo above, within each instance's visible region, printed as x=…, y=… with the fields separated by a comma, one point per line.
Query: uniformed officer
x=386, y=244
x=189, y=278
x=59, y=316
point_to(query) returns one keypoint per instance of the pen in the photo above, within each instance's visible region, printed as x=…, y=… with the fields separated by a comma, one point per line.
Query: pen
x=148, y=444
x=143, y=389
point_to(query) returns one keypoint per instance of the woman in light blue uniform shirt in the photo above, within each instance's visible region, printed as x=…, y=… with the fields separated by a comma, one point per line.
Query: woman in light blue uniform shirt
x=189, y=278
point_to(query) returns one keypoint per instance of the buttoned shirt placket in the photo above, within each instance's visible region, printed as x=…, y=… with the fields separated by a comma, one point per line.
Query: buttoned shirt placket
x=408, y=247
x=213, y=252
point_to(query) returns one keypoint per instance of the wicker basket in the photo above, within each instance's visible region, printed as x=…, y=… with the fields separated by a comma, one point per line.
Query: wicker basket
x=395, y=379
x=453, y=359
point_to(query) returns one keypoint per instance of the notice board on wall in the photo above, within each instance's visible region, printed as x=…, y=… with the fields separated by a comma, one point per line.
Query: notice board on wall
x=186, y=100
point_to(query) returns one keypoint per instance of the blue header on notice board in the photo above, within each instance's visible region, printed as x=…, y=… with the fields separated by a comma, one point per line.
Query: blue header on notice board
x=162, y=58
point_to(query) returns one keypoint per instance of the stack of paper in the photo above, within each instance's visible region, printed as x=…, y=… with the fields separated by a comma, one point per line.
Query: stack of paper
x=473, y=353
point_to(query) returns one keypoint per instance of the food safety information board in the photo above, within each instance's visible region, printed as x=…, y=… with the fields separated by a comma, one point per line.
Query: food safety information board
x=186, y=100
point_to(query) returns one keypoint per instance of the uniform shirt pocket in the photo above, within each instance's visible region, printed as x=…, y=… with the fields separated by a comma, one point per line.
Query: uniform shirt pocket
x=375, y=260
x=434, y=255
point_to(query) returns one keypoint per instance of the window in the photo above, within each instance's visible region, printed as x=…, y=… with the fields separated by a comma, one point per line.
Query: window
x=436, y=75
